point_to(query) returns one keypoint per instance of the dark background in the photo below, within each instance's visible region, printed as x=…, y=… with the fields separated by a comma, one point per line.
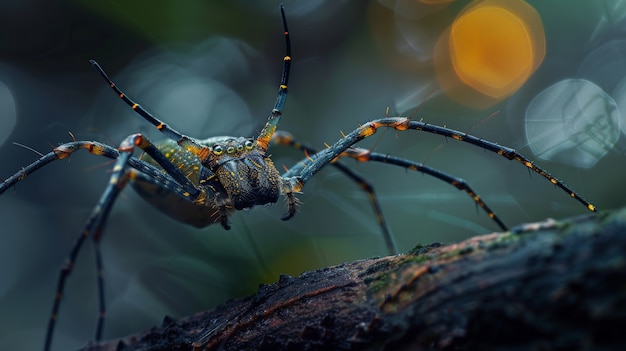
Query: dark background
x=212, y=68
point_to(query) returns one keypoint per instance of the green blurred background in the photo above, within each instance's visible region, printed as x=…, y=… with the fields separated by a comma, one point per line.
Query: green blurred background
x=212, y=68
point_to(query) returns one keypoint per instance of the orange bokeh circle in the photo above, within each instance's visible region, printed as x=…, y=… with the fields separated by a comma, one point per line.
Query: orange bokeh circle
x=490, y=51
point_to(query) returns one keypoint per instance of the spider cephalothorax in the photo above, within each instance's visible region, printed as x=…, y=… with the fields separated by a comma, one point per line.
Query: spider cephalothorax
x=245, y=173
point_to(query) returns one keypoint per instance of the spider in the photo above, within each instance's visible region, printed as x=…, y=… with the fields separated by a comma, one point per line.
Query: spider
x=201, y=182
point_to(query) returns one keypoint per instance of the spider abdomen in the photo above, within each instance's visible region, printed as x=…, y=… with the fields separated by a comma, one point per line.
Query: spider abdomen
x=169, y=203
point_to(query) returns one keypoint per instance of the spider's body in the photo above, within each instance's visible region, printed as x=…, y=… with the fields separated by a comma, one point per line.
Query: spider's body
x=235, y=175
x=246, y=174
x=203, y=181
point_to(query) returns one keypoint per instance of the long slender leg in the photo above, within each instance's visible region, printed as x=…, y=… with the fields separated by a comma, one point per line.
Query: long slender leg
x=193, y=145
x=100, y=279
x=93, y=230
x=326, y=156
x=58, y=153
x=272, y=122
x=66, y=269
x=364, y=155
x=283, y=138
x=182, y=140
x=65, y=150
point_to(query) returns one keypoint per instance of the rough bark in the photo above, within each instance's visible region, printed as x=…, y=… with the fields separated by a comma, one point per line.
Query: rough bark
x=546, y=286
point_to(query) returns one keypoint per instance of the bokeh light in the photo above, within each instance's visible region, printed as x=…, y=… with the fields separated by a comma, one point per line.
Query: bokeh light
x=573, y=122
x=619, y=95
x=403, y=29
x=489, y=51
x=605, y=66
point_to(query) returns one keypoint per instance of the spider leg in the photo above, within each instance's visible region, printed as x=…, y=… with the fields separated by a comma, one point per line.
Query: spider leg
x=125, y=169
x=93, y=230
x=188, y=143
x=270, y=127
x=326, y=156
x=65, y=150
x=283, y=138
x=364, y=155
x=193, y=145
x=58, y=153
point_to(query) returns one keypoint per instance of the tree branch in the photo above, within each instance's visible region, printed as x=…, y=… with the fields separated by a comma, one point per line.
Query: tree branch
x=549, y=285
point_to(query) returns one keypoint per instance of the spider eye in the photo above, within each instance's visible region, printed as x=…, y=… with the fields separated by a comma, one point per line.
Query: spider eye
x=239, y=147
x=230, y=150
x=249, y=145
x=218, y=150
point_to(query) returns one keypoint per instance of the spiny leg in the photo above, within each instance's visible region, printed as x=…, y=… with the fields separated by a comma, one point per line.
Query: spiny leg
x=93, y=229
x=270, y=127
x=364, y=155
x=58, y=153
x=65, y=150
x=193, y=145
x=186, y=142
x=326, y=156
x=283, y=138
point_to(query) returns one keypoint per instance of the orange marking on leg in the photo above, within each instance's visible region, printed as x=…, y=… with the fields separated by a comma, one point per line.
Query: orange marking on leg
x=135, y=106
x=363, y=155
x=139, y=140
x=368, y=129
x=402, y=124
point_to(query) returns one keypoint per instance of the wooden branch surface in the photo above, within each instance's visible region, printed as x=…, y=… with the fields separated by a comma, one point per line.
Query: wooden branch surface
x=545, y=286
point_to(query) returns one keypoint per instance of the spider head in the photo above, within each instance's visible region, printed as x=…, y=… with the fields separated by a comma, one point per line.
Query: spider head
x=247, y=175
